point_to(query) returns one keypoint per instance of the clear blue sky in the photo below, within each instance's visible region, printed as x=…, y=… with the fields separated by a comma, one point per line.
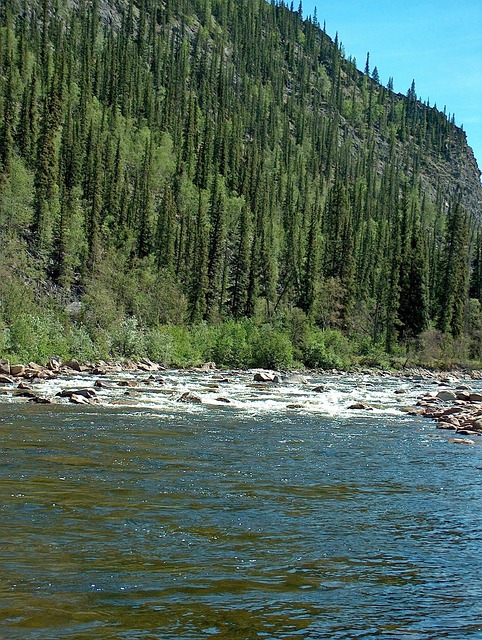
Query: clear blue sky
x=438, y=43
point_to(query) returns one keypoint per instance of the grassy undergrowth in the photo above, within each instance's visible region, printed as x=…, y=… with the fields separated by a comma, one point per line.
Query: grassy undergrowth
x=231, y=344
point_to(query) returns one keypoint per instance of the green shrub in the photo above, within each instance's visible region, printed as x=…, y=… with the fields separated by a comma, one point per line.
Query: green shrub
x=128, y=339
x=271, y=349
x=232, y=346
x=185, y=351
x=160, y=345
x=328, y=349
x=37, y=338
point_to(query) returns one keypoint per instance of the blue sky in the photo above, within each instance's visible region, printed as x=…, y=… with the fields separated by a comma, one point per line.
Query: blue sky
x=438, y=43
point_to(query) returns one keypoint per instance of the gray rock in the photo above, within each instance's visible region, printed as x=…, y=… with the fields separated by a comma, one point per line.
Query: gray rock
x=266, y=376
x=446, y=396
x=462, y=441
x=360, y=405
x=17, y=369
x=188, y=396
x=73, y=364
x=78, y=399
x=40, y=400
x=85, y=393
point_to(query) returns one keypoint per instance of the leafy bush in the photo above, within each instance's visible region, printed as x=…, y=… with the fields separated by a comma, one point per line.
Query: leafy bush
x=232, y=346
x=271, y=349
x=328, y=349
x=37, y=338
x=128, y=339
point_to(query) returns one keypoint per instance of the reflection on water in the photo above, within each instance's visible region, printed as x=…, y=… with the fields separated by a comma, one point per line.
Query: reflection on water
x=217, y=522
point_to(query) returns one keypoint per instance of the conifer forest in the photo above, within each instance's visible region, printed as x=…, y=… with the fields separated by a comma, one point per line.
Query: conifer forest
x=197, y=180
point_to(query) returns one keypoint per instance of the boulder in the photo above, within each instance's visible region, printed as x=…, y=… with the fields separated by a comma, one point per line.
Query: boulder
x=451, y=411
x=475, y=397
x=147, y=365
x=461, y=395
x=40, y=400
x=25, y=393
x=78, y=399
x=127, y=383
x=5, y=367
x=54, y=364
x=319, y=389
x=266, y=376
x=446, y=396
x=360, y=405
x=6, y=379
x=85, y=393
x=462, y=441
x=17, y=369
x=34, y=366
x=225, y=400
x=189, y=397
x=73, y=364
x=207, y=366
x=294, y=406
x=477, y=425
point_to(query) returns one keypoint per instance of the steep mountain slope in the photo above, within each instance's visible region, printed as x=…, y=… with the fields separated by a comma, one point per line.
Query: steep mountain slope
x=198, y=160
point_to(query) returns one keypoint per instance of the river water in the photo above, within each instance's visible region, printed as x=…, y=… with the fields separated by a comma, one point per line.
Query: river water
x=143, y=518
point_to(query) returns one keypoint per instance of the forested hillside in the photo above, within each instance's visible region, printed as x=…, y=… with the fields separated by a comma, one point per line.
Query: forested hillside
x=220, y=165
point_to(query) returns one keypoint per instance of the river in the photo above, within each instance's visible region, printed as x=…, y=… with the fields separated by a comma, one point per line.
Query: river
x=144, y=518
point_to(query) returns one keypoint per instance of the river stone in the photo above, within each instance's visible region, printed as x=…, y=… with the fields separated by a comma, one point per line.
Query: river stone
x=188, y=396
x=476, y=397
x=319, y=389
x=54, y=364
x=73, y=364
x=451, y=411
x=25, y=393
x=360, y=405
x=86, y=393
x=460, y=395
x=266, y=376
x=40, y=400
x=462, y=441
x=446, y=396
x=225, y=400
x=78, y=399
x=100, y=384
x=17, y=369
x=6, y=379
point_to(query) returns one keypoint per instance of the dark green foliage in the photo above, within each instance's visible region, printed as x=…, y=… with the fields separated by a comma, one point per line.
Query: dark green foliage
x=229, y=156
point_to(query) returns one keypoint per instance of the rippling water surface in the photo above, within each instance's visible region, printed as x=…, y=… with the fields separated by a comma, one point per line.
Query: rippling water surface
x=142, y=518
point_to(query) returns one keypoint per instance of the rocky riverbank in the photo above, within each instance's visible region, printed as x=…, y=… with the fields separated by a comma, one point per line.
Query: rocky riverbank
x=459, y=410
x=454, y=400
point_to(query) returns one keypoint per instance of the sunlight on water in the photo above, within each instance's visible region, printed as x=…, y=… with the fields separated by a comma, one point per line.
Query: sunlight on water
x=142, y=517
